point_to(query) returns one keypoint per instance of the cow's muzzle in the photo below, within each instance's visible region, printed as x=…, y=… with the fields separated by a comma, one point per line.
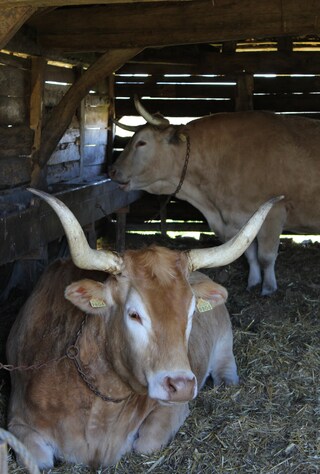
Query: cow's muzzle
x=173, y=387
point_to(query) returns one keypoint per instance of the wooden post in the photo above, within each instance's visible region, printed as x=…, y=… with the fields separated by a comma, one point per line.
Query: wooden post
x=38, y=66
x=110, y=125
x=163, y=215
x=121, y=229
x=244, y=92
x=3, y=458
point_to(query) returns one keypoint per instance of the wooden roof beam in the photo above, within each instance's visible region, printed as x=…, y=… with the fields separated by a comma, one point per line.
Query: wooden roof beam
x=63, y=3
x=11, y=21
x=216, y=63
x=166, y=23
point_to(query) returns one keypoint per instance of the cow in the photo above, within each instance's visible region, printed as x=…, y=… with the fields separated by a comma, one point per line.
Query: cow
x=226, y=165
x=110, y=348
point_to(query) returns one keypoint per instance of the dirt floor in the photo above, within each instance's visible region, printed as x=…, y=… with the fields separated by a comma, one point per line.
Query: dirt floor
x=270, y=422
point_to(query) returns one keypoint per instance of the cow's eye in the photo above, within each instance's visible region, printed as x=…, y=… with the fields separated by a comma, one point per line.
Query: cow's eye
x=135, y=317
x=140, y=143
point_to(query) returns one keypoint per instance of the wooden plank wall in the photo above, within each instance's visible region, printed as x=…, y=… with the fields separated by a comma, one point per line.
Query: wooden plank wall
x=74, y=158
x=16, y=138
x=197, y=95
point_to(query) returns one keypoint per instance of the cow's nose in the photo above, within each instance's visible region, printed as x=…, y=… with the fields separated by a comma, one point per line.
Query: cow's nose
x=180, y=389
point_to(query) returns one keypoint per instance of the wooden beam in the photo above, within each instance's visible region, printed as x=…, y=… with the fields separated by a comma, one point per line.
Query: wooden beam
x=244, y=92
x=63, y=3
x=62, y=114
x=12, y=19
x=166, y=23
x=36, y=101
x=216, y=63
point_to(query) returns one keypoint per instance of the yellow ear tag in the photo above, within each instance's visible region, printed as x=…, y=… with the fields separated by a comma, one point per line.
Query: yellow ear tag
x=203, y=305
x=182, y=137
x=96, y=303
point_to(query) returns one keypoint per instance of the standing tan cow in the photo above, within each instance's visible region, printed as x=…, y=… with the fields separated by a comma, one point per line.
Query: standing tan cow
x=235, y=162
x=117, y=358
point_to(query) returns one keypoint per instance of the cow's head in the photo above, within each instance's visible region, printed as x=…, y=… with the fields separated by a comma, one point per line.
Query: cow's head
x=143, y=164
x=149, y=302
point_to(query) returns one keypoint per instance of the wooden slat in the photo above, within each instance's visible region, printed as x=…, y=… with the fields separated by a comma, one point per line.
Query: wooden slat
x=70, y=152
x=94, y=154
x=91, y=172
x=216, y=63
x=13, y=110
x=63, y=172
x=53, y=94
x=175, y=91
x=154, y=78
x=286, y=84
x=59, y=74
x=287, y=103
x=14, y=82
x=15, y=141
x=171, y=108
x=96, y=136
x=96, y=117
x=14, y=172
x=15, y=61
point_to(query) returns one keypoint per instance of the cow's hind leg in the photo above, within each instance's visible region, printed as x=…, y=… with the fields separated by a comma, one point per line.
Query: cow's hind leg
x=268, y=244
x=254, y=277
x=41, y=451
x=159, y=427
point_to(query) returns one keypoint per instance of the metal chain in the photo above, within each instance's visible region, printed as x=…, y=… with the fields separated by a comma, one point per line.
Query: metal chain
x=182, y=177
x=73, y=353
x=184, y=170
x=11, y=368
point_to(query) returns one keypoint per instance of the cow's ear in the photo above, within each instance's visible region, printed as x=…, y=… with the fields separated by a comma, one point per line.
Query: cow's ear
x=208, y=293
x=175, y=135
x=90, y=296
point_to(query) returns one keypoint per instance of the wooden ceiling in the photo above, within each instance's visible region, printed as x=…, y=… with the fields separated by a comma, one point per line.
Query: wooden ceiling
x=95, y=26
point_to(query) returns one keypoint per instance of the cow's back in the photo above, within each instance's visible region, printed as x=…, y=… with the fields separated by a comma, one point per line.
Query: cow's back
x=247, y=157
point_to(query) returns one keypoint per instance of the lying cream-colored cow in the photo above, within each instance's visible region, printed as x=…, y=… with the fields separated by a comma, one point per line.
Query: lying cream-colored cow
x=117, y=357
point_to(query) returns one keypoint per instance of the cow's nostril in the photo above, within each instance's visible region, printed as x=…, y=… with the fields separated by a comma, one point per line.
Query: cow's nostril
x=171, y=386
x=180, y=388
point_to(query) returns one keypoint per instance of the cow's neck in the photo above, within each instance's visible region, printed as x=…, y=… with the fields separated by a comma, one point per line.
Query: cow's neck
x=94, y=361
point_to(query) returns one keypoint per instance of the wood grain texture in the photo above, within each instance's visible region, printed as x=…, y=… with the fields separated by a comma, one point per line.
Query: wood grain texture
x=168, y=23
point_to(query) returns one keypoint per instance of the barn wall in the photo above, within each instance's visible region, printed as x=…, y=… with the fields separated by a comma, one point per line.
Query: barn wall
x=81, y=152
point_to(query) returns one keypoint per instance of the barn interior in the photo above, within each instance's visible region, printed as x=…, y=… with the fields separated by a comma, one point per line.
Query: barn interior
x=66, y=70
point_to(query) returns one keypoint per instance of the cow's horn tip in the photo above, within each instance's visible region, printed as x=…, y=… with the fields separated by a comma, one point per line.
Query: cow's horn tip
x=277, y=198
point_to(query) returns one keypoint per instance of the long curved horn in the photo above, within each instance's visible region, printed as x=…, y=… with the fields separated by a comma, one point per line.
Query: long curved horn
x=153, y=120
x=234, y=248
x=82, y=254
x=129, y=128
